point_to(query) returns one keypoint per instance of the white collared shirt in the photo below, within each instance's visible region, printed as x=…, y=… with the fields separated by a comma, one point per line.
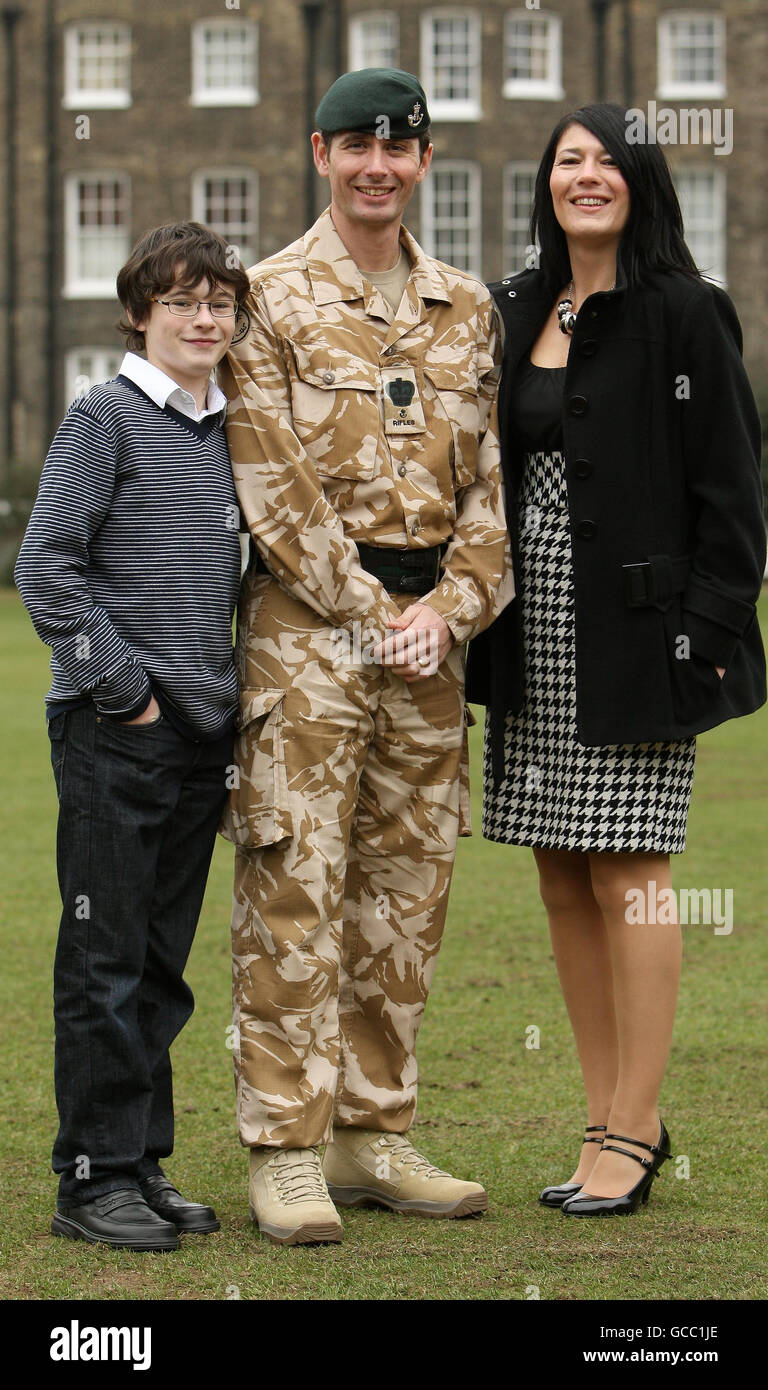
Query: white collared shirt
x=163, y=390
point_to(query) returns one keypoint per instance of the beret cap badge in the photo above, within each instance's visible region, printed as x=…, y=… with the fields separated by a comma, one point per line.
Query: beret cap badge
x=415, y=117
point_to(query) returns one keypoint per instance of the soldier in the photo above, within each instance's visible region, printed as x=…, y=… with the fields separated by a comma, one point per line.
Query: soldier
x=362, y=434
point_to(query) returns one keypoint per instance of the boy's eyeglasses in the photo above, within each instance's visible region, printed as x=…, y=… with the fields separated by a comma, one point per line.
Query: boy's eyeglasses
x=187, y=308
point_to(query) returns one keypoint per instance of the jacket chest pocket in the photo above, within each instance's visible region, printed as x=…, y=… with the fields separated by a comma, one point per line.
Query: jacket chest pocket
x=258, y=810
x=456, y=387
x=336, y=412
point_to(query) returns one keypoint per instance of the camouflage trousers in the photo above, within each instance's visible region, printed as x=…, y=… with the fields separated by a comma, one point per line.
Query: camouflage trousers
x=345, y=818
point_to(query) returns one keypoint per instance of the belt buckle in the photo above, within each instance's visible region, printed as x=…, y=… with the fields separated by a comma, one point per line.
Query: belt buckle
x=638, y=584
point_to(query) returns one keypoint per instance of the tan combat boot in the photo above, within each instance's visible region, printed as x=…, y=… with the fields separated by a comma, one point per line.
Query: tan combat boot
x=289, y=1198
x=364, y=1165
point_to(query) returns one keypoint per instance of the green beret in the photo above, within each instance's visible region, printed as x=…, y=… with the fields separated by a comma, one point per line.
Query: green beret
x=376, y=101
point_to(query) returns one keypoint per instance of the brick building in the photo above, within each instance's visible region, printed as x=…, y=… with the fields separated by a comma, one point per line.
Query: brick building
x=121, y=116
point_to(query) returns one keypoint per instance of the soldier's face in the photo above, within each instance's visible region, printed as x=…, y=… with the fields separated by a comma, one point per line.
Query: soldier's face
x=371, y=179
x=187, y=349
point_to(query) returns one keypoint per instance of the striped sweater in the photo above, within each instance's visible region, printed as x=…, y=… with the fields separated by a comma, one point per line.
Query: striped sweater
x=130, y=565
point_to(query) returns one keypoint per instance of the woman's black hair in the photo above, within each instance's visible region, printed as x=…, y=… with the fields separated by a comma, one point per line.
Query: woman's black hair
x=653, y=237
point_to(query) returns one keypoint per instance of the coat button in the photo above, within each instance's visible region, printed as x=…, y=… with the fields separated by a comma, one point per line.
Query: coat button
x=578, y=405
x=587, y=530
x=583, y=468
x=415, y=528
x=329, y=378
x=588, y=348
x=402, y=470
x=593, y=313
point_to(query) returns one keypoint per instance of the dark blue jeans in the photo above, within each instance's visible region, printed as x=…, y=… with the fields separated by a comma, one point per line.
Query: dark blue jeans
x=138, y=811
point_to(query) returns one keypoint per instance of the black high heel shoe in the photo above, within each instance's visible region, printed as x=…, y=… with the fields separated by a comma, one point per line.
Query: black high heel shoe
x=587, y=1205
x=555, y=1196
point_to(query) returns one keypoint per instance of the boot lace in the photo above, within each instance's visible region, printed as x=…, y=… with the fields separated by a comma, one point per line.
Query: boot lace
x=403, y=1152
x=299, y=1178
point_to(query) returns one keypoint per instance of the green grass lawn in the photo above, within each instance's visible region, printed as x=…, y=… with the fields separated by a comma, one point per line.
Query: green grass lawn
x=490, y=1107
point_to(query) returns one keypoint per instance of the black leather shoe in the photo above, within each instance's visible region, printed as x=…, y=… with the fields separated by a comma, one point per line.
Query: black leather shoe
x=628, y=1202
x=162, y=1197
x=121, y=1219
x=555, y=1196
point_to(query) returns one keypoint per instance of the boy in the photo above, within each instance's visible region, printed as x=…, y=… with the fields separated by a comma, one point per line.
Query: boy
x=130, y=569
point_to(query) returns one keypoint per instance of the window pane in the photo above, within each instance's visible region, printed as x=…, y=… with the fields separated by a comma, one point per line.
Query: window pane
x=528, y=50
x=694, y=50
x=451, y=61
x=228, y=205
x=703, y=206
x=453, y=217
x=518, y=201
x=373, y=41
x=101, y=228
x=229, y=56
x=103, y=58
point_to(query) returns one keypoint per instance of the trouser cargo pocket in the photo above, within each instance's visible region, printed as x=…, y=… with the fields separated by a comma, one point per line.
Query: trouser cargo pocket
x=257, y=812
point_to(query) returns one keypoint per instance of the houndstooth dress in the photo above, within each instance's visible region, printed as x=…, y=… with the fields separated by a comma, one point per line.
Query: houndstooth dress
x=557, y=793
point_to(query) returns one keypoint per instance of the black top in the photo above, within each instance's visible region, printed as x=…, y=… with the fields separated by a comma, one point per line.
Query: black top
x=536, y=402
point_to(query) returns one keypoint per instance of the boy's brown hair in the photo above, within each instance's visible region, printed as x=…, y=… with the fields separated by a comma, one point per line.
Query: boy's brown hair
x=177, y=253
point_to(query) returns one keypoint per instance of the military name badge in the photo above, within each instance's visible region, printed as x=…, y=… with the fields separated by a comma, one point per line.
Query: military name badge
x=403, y=412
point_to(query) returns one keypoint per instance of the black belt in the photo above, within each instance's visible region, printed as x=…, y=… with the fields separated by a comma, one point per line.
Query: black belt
x=655, y=580
x=403, y=571
x=400, y=571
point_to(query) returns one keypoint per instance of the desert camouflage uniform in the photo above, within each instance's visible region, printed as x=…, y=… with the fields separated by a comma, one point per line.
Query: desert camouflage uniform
x=348, y=805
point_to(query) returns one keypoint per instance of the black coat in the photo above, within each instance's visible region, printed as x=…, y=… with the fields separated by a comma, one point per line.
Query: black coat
x=662, y=449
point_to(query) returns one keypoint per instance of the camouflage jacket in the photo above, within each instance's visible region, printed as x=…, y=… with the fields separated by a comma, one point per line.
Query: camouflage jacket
x=349, y=422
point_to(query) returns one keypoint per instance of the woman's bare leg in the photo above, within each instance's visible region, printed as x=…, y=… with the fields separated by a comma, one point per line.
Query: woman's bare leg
x=645, y=960
x=580, y=946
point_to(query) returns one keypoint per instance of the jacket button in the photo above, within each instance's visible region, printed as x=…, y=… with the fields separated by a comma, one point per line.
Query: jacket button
x=582, y=468
x=578, y=405
x=587, y=530
x=588, y=348
x=593, y=313
x=402, y=470
x=329, y=378
x=415, y=528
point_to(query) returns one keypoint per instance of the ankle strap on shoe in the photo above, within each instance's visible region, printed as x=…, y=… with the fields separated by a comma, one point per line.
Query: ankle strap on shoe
x=590, y=1128
x=614, y=1148
x=651, y=1148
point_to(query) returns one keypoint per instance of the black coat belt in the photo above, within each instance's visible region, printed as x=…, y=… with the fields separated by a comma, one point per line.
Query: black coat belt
x=654, y=581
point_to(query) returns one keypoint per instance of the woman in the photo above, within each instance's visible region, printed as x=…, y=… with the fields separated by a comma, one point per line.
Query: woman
x=631, y=449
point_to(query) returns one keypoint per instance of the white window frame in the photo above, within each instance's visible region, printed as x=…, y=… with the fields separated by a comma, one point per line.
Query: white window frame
x=84, y=287
x=244, y=95
x=669, y=86
x=429, y=228
x=513, y=226
x=247, y=245
x=716, y=228
x=358, y=23
x=450, y=109
x=95, y=98
x=104, y=359
x=549, y=88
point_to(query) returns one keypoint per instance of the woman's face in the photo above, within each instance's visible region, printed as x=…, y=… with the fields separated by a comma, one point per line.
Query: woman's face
x=589, y=195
